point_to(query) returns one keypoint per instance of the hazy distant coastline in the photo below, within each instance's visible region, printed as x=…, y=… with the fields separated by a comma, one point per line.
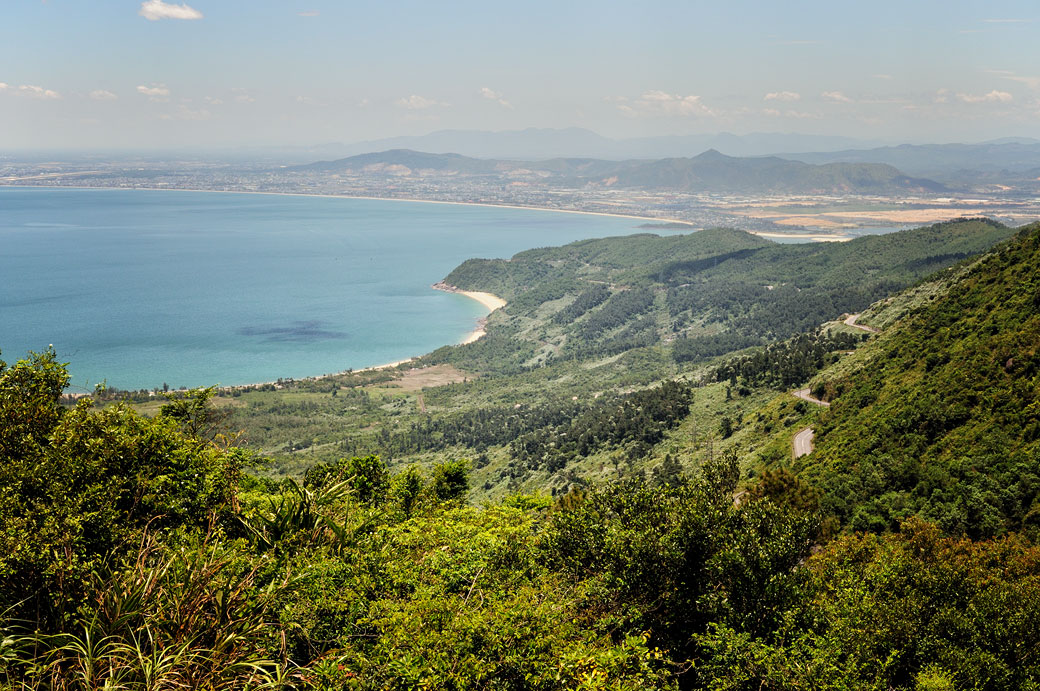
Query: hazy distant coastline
x=666, y=223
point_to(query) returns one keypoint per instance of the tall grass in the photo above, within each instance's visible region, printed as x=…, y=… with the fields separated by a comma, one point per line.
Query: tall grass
x=195, y=617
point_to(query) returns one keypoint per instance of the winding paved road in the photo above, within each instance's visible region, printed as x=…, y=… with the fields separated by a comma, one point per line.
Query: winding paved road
x=803, y=442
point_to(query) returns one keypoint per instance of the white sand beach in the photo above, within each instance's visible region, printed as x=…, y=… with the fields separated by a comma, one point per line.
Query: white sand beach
x=489, y=300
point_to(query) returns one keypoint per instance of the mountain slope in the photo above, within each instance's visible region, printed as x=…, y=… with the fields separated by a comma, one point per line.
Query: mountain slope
x=944, y=419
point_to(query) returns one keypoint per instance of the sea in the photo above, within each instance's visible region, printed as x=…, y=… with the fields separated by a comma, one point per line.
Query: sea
x=138, y=289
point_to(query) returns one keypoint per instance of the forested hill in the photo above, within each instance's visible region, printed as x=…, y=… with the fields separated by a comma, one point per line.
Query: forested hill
x=707, y=293
x=943, y=419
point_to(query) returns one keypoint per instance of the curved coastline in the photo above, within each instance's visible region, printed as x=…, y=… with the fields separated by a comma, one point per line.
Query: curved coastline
x=489, y=300
x=655, y=219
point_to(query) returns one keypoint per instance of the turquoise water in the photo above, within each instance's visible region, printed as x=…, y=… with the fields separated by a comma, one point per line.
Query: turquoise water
x=140, y=288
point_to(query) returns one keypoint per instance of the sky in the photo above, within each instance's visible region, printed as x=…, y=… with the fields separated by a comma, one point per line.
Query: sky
x=98, y=74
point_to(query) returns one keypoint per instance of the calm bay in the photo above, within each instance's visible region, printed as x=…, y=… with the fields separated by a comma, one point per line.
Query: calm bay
x=140, y=287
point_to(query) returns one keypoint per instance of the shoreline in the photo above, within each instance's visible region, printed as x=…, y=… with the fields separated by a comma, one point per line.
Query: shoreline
x=489, y=300
x=657, y=219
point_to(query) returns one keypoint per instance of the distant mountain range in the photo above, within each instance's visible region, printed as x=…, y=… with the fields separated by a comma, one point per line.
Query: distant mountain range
x=406, y=161
x=574, y=142
x=1012, y=158
x=708, y=172
x=1007, y=160
x=1010, y=154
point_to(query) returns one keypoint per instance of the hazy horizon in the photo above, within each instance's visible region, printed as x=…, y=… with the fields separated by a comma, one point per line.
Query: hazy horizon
x=216, y=149
x=203, y=74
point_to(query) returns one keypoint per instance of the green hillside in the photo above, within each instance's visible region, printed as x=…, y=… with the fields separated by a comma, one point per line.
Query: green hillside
x=707, y=293
x=943, y=420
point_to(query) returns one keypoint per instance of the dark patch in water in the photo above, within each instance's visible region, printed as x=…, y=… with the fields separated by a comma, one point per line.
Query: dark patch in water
x=297, y=332
x=38, y=300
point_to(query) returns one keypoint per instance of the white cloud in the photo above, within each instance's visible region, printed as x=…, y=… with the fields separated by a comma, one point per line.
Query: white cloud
x=495, y=96
x=1008, y=21
x=309, y=13
x=308, y=101
x=835, y=97
x=212, y=100
x=242, y=95
x=1031, y=82
x=102, y=95
x=992, y=97
x=663, y=103
x=796, y=114
x=883, y=76
x=38, y=92
x=415, y=102
x=186, y=113
x=154, y=10
x=3, y=86
x=156, y=92
x=893, y=100
x=782, y=96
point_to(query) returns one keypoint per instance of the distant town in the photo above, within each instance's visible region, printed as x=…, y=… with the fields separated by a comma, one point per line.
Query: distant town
x=823, y=215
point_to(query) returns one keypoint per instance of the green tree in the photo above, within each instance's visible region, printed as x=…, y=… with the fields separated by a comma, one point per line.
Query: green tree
x=451, y=480
x=76, y=484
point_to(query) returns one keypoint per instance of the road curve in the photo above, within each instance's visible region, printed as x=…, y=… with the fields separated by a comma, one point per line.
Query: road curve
x=803, y=442
x=806, y=395
x=851, y=321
